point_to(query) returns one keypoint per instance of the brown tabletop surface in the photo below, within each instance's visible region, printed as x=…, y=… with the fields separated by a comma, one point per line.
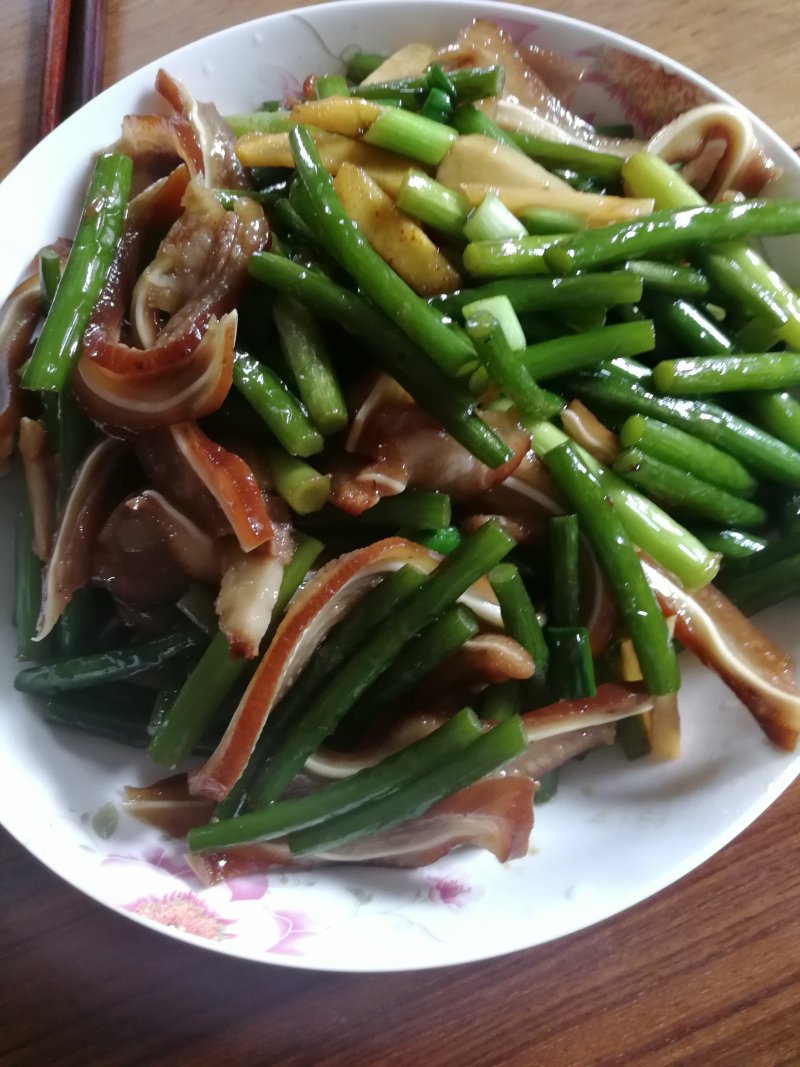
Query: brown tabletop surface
x=707, y=971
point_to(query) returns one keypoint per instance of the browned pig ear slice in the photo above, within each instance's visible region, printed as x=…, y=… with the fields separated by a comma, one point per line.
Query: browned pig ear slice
x=148, y=551
x=495, y=814
x=212, y=484
x=729, y=644
x=100, y=481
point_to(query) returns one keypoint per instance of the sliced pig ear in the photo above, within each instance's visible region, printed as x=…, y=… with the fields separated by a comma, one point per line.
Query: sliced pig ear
x=610, y=703
x=168, y=806
x=719, y=149
x=97, y=488
x=227, y=478
x=728, y=643
x=133, y=399
x=213, y=138
x=393, y=445
x=187, y=372
x=19, y=316
x=311, y=615
x=148, y=550
x=39, y=484
x=194, y=550
x=495, y=814
x=145, y=136
x=248, y=593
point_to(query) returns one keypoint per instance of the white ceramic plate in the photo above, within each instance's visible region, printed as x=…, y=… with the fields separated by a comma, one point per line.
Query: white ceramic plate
x=617, y=831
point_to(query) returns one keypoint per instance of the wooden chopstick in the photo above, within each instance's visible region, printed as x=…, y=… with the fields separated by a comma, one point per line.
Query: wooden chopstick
x=55, y=58
x=82, y=25
x=93, y=46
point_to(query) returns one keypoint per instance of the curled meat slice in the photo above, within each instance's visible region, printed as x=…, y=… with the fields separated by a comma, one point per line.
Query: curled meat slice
x=195, y=134
x=193, y=550
x=99, y=483
x=138, y=399
x=186, y=257
x=550, y=753
x=168, y=806
x=483, y=44
x=495, y=814
x=220, y=166
x=727, y=642
x=523, y=503
x=610, y=703
x=36, y=461
x=599, y=606
x=330, y=763
x=718, y=149
x=19, y=317
x=588, y=431
x=248, y=593
x=404, y=447
x=486, y=659
x=495, y=658
x=147, y=138
x=529, y=490
x=18, y=320
x=321, y=604
x=215, y=246
x=561, y=76
x=215, y=486
x=148, y=550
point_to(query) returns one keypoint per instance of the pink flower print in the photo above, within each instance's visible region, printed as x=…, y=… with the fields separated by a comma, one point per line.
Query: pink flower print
x=291, y=89
x=171, y=862
x=518, y=30
x=448, y=891
x=293, y=927
x=248, y=887
x=649, y=96
x=182, y=911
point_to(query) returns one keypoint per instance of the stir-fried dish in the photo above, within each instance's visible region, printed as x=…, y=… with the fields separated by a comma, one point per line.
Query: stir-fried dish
x=381, y=446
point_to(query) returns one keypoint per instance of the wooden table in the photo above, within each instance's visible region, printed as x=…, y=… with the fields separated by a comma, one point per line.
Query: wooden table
x=706, y=972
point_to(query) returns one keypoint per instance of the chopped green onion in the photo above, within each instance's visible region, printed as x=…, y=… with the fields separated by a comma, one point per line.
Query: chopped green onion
x=507, y=258
x=362, y=64
x=587, y=161
x=571, y=673
x=49, y=276
x=282, y=413
x=259, y=122
x=685, y=492
x=617, y=556
x=500, y=307
x=547, y=220
x=673, y=445
x=411, y=135
x=507, y=370
x=59, y=343
x=727, y=374
x=648, y=525
x=362, y=788
x=487, y=753
x=303, y=346
x=330, y=85
x=433, y=203
x=304, y=489
x=492, y=221
x=564, y=557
